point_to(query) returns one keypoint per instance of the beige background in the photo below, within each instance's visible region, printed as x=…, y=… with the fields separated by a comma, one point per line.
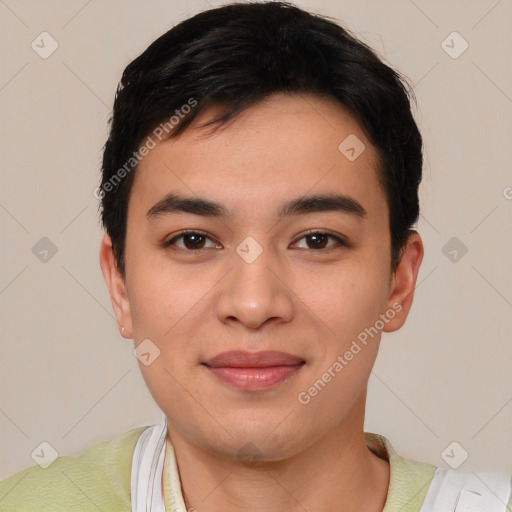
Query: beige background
x=68, y=378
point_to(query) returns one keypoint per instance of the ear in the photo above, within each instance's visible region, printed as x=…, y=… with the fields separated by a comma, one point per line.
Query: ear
x=116, y=287
x=403, y=282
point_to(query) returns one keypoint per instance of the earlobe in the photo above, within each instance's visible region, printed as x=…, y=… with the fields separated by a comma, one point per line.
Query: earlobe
x=116, y=286
x=404, y=282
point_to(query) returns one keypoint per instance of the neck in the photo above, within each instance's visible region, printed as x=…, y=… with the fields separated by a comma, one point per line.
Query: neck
x=338, y=472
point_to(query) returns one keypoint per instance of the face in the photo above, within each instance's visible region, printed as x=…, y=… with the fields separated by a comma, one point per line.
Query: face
x=255, y=318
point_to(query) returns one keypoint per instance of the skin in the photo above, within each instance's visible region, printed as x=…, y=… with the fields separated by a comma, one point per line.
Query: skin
x=294, y=297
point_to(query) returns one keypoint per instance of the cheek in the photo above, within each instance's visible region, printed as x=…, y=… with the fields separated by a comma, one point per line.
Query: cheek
x=349, y=303
x=347, y=297
x=164, y=297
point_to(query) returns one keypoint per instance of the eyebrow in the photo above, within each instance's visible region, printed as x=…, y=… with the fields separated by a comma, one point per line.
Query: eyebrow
x=174, y=203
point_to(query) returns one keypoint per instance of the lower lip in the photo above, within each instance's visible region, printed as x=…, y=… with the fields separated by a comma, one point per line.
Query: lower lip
x=255, y=379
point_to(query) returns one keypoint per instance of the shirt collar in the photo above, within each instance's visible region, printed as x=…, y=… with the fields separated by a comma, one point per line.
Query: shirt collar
x=408, y=480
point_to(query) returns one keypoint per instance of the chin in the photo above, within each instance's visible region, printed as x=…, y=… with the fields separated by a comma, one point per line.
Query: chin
x=259, y=437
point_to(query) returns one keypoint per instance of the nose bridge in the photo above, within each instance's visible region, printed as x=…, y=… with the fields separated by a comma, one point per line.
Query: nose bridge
x=253, y=291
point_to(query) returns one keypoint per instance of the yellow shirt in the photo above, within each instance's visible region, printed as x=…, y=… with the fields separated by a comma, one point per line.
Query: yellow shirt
x=100, y=479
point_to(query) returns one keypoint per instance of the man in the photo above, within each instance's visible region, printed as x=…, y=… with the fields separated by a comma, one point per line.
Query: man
x=259, y=189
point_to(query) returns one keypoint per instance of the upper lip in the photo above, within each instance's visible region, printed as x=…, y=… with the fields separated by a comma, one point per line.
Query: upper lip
x=241, y=359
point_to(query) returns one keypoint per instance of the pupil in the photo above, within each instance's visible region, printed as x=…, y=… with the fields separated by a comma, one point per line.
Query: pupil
x=317, y=238
x=197, y=239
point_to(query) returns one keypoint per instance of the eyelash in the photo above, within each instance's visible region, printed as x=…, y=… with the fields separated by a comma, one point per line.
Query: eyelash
x=341, y=242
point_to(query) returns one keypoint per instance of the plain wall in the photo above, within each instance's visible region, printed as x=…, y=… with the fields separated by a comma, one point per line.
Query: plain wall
x=67, y=377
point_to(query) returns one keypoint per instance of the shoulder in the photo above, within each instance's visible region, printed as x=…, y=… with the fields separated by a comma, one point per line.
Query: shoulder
x=99, y=478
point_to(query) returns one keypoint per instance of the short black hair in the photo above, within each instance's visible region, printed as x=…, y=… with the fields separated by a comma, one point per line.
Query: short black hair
x=239, y=54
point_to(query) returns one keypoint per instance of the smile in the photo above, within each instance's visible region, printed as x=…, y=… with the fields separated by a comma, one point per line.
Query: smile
x=253, y=371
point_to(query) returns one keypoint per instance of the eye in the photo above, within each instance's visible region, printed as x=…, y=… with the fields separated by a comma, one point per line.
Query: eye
x=319, y=239
x=195, y=241
x=192, y=240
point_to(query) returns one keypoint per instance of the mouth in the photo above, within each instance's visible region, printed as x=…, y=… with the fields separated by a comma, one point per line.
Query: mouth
x=253, y=371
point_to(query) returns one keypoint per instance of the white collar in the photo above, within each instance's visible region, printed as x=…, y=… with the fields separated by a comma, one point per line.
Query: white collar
x=147, y=472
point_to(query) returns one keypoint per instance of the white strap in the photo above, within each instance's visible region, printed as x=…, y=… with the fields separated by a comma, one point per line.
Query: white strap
x=147, y=469
x=463, y=491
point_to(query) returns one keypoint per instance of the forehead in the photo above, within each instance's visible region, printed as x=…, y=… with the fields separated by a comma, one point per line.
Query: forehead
x=281, y=147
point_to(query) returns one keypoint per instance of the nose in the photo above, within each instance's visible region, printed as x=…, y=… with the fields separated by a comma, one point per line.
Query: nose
x=254, y=293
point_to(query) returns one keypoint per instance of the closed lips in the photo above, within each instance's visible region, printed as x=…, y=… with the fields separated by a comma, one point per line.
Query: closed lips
x=242, y=359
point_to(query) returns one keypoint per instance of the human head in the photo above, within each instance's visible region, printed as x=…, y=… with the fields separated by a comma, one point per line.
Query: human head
x=317, y=304
x=237, y=55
